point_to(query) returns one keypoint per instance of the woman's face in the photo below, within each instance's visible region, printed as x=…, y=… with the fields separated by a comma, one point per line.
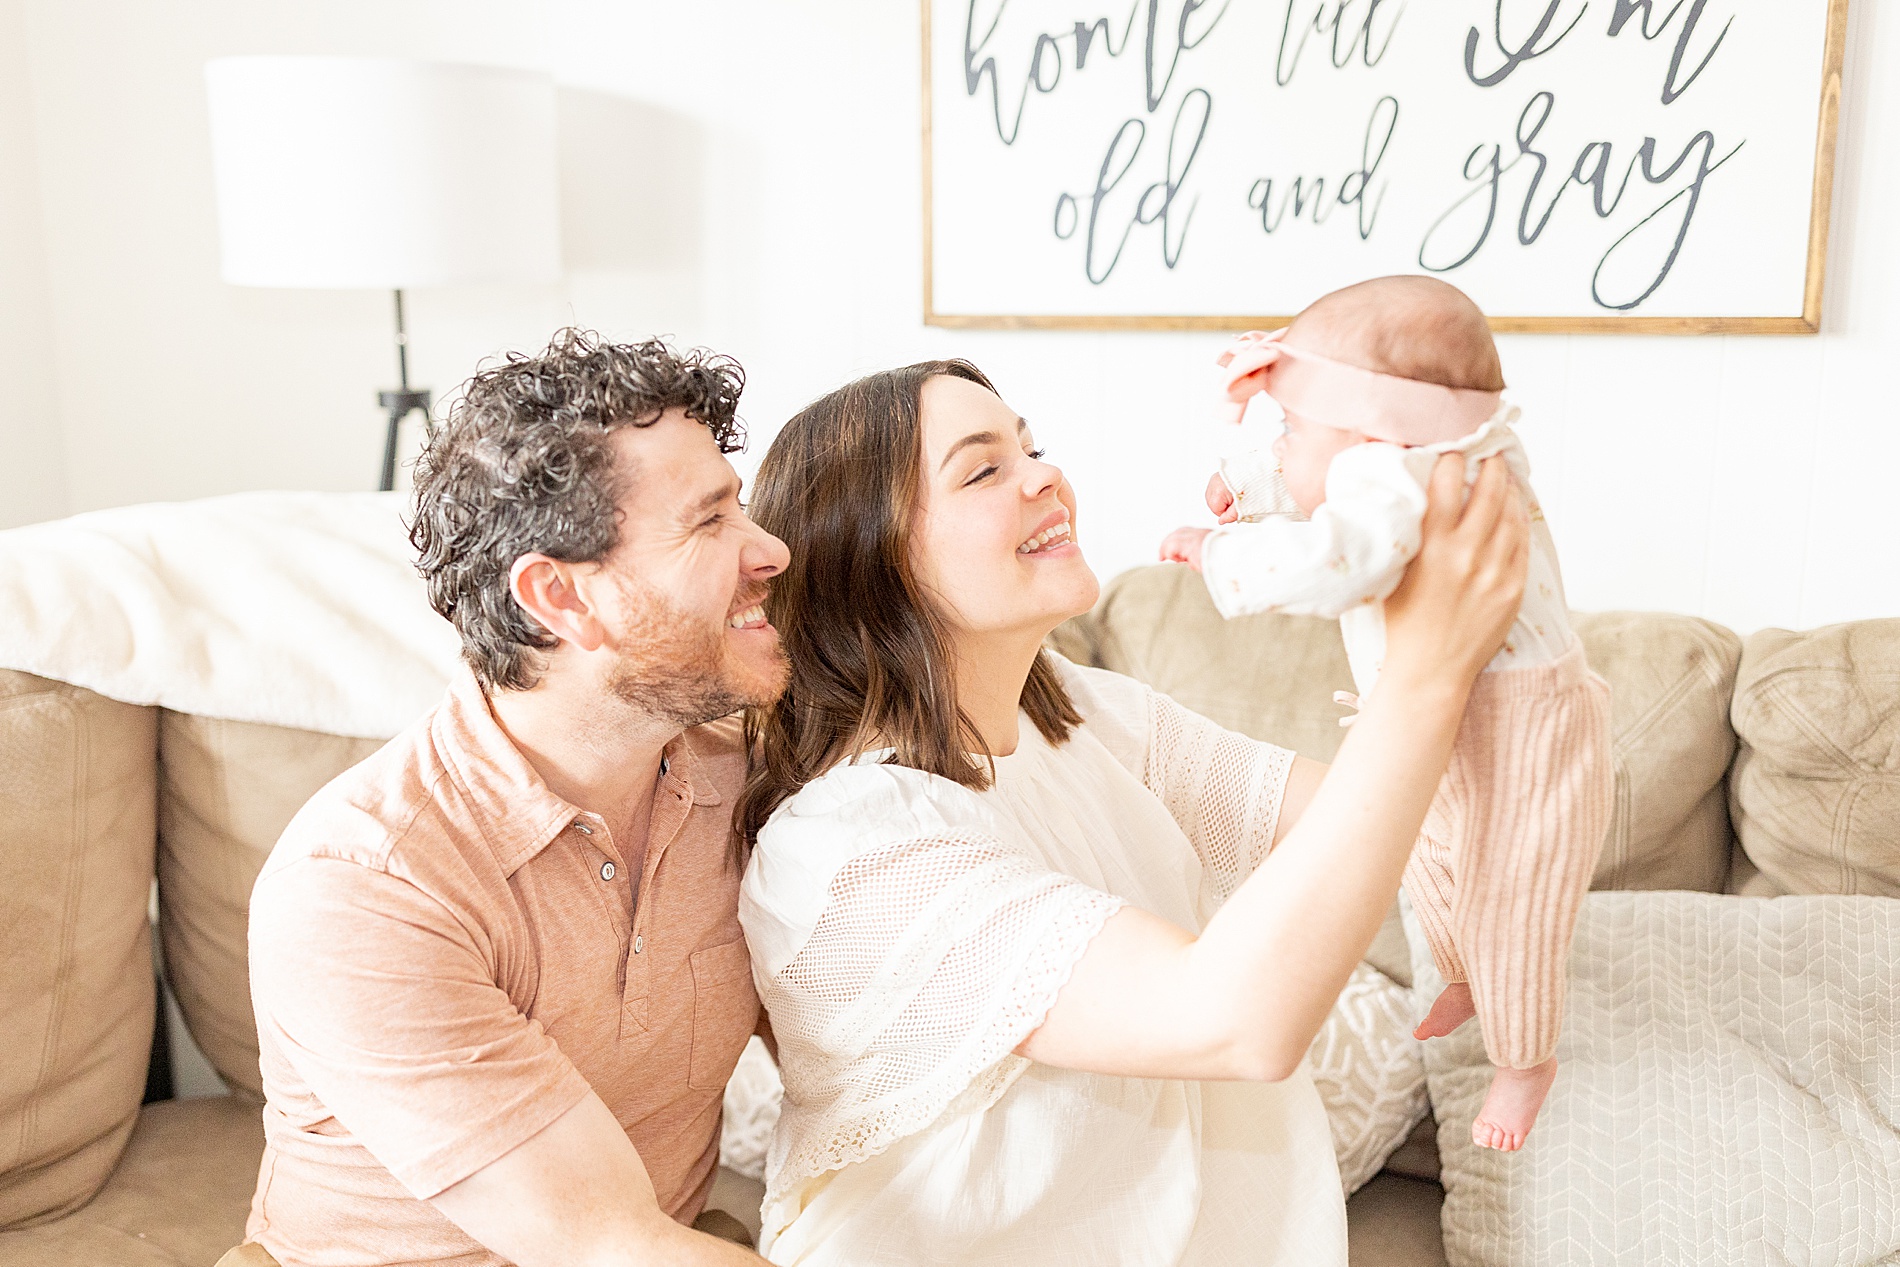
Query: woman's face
x=996, y=542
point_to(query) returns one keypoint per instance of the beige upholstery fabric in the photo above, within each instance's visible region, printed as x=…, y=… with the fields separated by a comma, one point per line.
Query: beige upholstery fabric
x=1273, y=677
x=1728, y=1091
x=178, y=1199
x=1670, y=681
x=76, y=1000
x=1816, y=788
x=226, y=791
x=1393, y=1222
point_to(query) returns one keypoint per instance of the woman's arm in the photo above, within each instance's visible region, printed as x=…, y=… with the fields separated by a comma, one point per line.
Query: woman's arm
x=1245, y=998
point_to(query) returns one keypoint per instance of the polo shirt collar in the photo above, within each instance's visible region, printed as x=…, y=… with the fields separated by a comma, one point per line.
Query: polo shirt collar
x=519, y=814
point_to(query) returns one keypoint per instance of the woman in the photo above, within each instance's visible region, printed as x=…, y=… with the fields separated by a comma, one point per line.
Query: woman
x=1043, y=950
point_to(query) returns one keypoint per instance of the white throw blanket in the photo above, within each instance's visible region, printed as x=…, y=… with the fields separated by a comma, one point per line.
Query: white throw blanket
x=293, y=609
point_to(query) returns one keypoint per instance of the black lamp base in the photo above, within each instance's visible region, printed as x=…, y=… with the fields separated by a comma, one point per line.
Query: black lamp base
x=399, y=404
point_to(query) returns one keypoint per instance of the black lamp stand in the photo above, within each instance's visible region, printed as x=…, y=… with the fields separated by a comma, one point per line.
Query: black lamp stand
x=400, y=402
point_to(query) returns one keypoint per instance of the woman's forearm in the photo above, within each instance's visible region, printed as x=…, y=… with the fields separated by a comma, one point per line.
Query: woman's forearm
x=1275, y=957
x=1245, y=999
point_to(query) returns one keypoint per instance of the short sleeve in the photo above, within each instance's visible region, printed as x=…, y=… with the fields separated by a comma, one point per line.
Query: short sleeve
x=1223, y=789
x=381, y=1002
x=933, y=956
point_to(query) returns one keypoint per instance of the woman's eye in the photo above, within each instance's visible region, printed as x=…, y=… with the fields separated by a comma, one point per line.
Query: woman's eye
x=981, y=475
x=1035, y=455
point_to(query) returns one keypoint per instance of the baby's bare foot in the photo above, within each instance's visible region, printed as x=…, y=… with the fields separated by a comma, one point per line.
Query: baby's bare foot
x=1450, y=1010
x=1511, y=1106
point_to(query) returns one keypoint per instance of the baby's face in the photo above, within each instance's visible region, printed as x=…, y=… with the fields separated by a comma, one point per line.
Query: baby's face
x=1306, y=449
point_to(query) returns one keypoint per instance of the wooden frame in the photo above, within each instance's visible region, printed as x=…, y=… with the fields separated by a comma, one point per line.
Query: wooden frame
x=1809, y=322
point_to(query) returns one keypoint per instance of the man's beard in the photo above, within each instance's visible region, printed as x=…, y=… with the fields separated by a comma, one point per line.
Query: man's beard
x=676, y=667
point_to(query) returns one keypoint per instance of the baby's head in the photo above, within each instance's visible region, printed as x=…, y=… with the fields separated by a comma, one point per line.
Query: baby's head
x=1410, y=327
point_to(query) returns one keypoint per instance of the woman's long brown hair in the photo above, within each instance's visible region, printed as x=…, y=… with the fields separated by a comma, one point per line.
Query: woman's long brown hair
x=871, y=661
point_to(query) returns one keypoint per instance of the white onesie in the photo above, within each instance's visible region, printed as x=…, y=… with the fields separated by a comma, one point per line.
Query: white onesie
x=1350, y=555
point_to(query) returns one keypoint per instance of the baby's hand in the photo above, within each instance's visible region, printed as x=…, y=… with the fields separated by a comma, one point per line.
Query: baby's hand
x=1183, y=545
x=1220, y=500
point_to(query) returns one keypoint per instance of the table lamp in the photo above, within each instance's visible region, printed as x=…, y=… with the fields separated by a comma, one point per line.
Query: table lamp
x=358, y=172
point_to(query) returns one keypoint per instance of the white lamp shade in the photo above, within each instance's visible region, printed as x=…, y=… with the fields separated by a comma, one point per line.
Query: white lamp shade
x=344, y=172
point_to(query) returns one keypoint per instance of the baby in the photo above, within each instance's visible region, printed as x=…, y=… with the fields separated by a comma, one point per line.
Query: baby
x=1377, y=380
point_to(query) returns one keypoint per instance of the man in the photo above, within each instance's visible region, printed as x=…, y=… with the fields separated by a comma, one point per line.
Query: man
x=497, y=967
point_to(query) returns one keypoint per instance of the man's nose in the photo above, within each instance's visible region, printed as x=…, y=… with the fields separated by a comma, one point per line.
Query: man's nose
x=765, y=554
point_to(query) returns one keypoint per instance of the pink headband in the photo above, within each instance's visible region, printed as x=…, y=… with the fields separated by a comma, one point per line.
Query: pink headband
x=1383, y=406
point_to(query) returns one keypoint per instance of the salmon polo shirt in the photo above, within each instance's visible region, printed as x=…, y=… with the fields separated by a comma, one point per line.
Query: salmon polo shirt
x=446, y=956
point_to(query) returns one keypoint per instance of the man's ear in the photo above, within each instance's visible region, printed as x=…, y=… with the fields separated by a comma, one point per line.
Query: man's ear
x=551, y=591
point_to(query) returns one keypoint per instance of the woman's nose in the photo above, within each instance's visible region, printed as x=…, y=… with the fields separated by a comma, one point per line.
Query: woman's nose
x=1040, y=477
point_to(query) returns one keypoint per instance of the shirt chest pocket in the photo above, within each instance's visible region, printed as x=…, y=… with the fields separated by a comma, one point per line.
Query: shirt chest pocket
x=725, y=1012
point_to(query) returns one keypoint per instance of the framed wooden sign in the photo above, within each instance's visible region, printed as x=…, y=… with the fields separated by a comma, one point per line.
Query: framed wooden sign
x=1573, y=165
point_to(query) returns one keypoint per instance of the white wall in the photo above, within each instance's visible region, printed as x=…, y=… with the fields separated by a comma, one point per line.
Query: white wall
x=745, y=174
x=32, y=458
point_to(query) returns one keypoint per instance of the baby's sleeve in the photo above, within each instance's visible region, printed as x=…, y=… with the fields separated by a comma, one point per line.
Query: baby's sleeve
x=1352, y=551
x=1254, y=477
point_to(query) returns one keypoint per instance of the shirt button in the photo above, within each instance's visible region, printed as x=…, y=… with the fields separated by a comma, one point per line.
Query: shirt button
x=606, y=870
x=583, y=828
x=639, y=944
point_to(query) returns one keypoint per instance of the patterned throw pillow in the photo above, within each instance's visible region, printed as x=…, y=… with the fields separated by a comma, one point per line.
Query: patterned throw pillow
x=1370, y=1072
x=752, y=1098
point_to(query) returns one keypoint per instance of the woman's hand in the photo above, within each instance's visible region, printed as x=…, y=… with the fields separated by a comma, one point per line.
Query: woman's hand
x=1459, y=597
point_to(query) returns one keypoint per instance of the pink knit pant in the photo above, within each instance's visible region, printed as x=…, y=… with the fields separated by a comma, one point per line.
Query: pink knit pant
x=1510, y=845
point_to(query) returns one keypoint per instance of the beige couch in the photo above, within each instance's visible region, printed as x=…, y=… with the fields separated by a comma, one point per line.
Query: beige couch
x=99, y=796
x=1768, y=765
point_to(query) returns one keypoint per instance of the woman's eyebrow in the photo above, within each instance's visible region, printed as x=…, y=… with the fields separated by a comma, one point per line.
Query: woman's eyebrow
x=977, y=437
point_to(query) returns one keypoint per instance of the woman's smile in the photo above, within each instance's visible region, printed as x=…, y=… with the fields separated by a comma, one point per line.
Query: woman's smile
x=1051, y=537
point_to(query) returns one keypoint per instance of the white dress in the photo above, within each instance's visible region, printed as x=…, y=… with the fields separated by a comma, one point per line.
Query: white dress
x=907, y=933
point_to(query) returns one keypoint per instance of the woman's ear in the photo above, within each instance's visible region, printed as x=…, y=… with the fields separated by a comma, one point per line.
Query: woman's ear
x=552, y=591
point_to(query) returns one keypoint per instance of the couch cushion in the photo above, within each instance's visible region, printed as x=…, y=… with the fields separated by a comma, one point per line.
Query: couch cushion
x=178, y=1199
x=226, y=791
x=1273, y=677
x=76, y=998
x=1728, y=1090
x=1670, y=679
x=1816, y=788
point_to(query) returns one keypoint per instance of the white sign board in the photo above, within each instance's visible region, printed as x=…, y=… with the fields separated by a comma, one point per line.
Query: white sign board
x=1571, y=164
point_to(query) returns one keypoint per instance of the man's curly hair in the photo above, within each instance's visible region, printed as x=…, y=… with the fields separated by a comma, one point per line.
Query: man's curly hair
x=522, y=464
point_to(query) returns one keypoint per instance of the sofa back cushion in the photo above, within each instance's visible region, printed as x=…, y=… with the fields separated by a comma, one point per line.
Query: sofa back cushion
x=1671, y=678
x=226, y=791
x=1816, y=789
x=1273, y=677
x=76, y=997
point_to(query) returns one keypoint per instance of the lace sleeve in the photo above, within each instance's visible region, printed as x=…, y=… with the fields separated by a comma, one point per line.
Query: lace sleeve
x=932, y=959
x=1223, y=788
